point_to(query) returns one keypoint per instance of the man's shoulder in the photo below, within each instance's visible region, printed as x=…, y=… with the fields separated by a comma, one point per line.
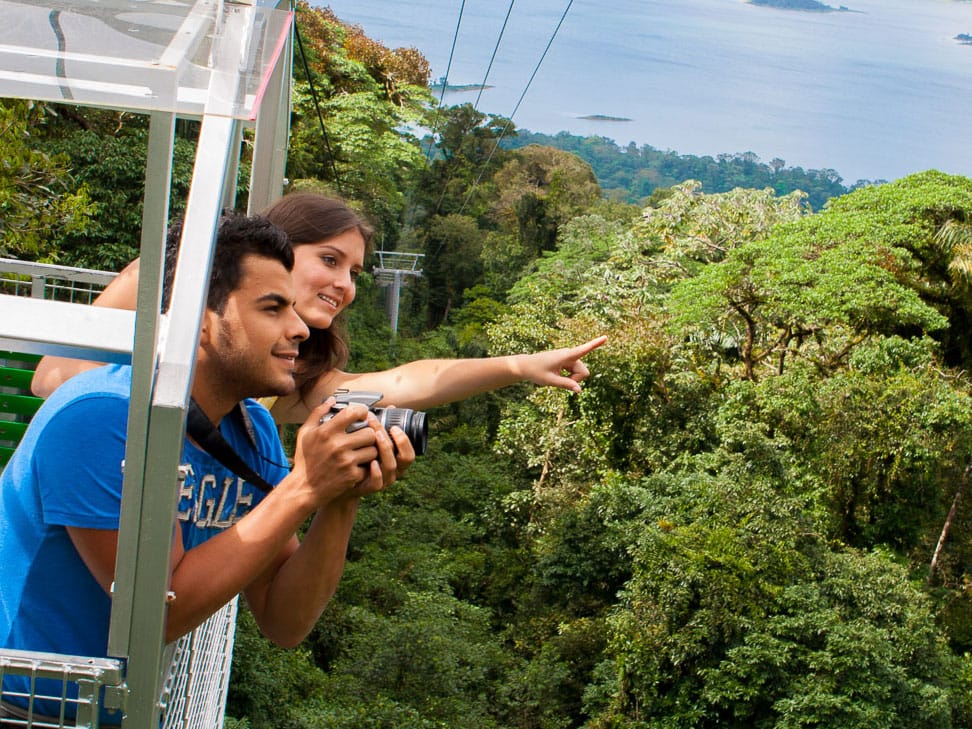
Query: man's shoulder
x=85, y=417
x=258, y=415
x=259, y=408
x=261, y=427
x=88, y=390
x=263, y=435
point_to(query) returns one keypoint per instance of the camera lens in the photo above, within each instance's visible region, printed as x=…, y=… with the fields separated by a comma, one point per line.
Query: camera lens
x=410, y=421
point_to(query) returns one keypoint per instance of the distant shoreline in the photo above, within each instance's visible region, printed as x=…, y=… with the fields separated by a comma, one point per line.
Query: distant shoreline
x=802, y=133
x=812, y=6
x=605, y=117
x=441, y=84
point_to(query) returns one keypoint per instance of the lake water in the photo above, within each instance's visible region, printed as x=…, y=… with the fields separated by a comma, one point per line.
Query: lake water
x=876, y=93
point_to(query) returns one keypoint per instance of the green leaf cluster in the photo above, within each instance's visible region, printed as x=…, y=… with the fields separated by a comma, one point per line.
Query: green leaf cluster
x=40, y=201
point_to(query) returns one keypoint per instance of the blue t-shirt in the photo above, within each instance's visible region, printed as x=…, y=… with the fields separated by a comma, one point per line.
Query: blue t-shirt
x=67, y=471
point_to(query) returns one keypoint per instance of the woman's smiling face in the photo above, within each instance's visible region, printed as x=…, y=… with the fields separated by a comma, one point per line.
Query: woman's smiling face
x=324, y=276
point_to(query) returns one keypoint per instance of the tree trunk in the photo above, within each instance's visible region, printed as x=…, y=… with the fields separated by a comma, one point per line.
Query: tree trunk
x=948, y=522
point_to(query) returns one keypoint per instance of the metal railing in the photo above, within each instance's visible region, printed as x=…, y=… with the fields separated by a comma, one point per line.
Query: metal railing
x=61, y=691
x=226, y=63
x=48, y=281
x=69, y=692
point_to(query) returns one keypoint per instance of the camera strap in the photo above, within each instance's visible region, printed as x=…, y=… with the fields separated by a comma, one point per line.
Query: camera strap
x=201, y=429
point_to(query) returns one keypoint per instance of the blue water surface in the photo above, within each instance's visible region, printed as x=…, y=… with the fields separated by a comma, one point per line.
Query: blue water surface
x=876, y=92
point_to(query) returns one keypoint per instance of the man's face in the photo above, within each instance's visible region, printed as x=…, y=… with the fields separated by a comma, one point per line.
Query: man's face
x=251, y=347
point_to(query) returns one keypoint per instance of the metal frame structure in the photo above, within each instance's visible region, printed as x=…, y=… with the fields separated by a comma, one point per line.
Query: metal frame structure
x=228, y=65
x=195, y=684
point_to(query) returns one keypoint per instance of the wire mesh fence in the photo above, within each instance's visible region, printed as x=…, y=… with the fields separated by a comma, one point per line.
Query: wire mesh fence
x=194, y=691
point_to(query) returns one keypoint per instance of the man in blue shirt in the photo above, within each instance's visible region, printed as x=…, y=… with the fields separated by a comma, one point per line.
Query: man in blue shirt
x=60, y=495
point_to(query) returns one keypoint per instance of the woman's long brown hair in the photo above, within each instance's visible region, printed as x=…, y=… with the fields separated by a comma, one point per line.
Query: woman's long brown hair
x=309, y=217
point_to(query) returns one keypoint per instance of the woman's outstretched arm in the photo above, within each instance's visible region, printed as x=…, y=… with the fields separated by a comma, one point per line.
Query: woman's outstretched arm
x=121, y=293
x=419, y=385
x=430, y=382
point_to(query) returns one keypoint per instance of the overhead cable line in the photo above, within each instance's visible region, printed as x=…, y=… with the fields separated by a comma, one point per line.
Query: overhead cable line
x=435, y=119
x=482, y=87
x=317, y=107
x=492, y=58
x=445, y=83
x=509, y=120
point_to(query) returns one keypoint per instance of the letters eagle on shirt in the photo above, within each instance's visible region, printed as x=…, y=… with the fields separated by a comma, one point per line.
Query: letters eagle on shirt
x=212, y=503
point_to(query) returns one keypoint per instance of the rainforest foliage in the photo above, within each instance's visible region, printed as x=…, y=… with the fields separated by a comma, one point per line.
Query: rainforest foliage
x=756, y=513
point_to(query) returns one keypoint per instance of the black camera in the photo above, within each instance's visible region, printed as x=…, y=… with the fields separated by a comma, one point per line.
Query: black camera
x=410, y=421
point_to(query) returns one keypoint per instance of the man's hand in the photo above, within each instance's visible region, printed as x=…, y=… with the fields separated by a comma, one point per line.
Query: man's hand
x=336, y=463
x=395, y=454
x=331, y=460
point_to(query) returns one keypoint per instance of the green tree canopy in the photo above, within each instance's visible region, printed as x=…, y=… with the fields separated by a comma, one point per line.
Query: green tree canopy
x=40, y=200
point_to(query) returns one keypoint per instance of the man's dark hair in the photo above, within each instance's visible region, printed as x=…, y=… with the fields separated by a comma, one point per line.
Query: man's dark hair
x=237, y=236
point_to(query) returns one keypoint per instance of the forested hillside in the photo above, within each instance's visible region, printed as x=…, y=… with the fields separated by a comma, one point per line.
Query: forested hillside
x=754, y=515
x=633, y=173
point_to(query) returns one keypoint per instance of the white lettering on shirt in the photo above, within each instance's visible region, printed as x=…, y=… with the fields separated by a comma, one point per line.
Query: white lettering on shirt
x=207, y=504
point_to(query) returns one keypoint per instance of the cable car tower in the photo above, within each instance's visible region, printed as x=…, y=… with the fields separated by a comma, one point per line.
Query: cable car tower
x=390, y=273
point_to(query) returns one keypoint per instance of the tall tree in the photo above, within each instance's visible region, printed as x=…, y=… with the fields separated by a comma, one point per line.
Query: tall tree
x=453, y=263
x=538, y=190
x=353, y=97
x=739, y=615
x=465, y=154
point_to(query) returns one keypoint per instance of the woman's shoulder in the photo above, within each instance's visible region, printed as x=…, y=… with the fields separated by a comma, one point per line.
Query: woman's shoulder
x=267, y=402
x=283, y=409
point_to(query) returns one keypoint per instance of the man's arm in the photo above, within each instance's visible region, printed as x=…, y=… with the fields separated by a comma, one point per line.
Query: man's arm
x=289, y=597
x=287, y=583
